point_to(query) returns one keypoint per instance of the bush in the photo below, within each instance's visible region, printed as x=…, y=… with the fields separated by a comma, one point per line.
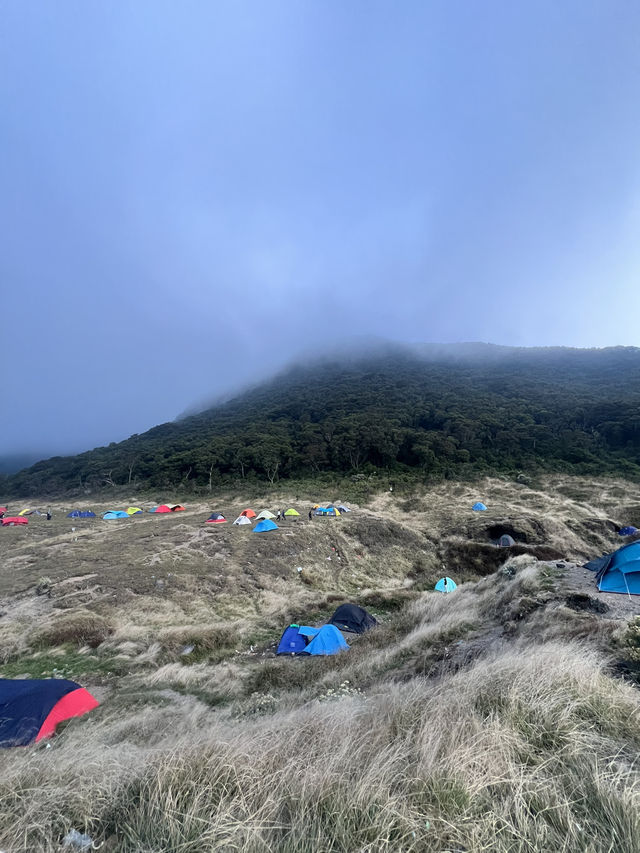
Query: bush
x=81, y=628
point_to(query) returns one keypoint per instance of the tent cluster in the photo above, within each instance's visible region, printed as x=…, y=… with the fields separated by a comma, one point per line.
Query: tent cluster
x=31, y=708
x=136, y=510
x=328, y=639
x=265, y=518
x=81, y=513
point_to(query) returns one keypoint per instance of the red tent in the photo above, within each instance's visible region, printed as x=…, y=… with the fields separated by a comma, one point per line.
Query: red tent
x=249, y=513
x=177, y=508
x=162, y=508
x=216, y=518
x=12, y=520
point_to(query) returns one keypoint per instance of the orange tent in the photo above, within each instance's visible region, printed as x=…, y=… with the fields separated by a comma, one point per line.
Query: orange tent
x=249, y=513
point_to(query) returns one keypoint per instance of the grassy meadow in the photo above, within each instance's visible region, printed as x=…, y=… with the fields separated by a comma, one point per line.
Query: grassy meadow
x=504, y=717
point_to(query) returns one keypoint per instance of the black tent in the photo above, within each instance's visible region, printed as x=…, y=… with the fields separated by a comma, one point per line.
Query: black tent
x=350, y=617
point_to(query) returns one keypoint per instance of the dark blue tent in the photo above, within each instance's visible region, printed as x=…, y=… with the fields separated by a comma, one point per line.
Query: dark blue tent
x=294, y=639
x=31, y=708
x=627, y=531
x=81, y=513
x=620, y=571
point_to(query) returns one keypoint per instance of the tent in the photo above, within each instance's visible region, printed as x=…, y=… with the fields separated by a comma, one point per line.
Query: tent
x=479, y=506
x=627, y=531
x=242, y=519
x=12, y=520
x=216, y=518
x=161, y=508
x=343, y=508
x=3, y=509
x=506, y=541
x=620, y=571
x=109, y=516
x=265, y=525
x=265, y=514
x=291, y=513
x=445, y=585
x=350, y=617
x=328, y=641
x=81, y=513
x=26, y=512
x=295, y=638
x=249, y=513
x=31, y=708
x=177, y=508
x=133, y=510
x=327, y=510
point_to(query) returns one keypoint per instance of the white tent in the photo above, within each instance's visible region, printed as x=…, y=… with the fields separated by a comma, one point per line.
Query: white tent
x=242, y=519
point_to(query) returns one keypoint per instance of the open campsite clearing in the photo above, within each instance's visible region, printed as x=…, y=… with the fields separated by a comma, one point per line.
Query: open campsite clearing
x=513, y=681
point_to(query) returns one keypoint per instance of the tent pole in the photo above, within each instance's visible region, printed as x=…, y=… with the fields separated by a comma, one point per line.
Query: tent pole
x=627, y=586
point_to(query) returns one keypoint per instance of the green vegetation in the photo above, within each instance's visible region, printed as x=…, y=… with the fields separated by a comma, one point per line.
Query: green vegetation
x=397, y=415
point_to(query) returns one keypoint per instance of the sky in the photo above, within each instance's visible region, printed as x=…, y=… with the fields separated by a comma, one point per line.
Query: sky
x=194, y=193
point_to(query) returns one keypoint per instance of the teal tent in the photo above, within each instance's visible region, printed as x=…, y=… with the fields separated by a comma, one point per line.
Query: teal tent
x=620, y=571
x=445, y=585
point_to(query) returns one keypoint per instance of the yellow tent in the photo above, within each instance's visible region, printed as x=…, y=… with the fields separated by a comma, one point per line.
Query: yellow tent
x=26, y=511
x=291, y=512
x=132, y=510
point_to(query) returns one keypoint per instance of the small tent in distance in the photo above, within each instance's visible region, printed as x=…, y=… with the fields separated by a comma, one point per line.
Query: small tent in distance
x=506, y=541
x=249, y=513
x=31, y=708
x=114, y=513
x=265, y=513
x=291, y=513
x=161, y=508
x=295, y=638
x=177, y=508
x=328, y=641
x=478, y=507
x=216, y=518
x=445, y=585
x=241, y=520
x=629, y=530
x=81, y=513
x=351, y=617
x=134, y=510
x=14, y=521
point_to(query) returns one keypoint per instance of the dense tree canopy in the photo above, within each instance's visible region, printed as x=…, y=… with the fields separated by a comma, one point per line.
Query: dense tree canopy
x=552, y=409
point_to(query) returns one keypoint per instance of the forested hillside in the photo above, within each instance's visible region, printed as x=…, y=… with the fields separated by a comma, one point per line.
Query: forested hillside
x=419, y=413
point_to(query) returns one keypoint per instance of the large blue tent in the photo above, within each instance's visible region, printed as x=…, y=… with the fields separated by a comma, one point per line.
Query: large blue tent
x=328, y=641
x=620, y=571
x=265, y=525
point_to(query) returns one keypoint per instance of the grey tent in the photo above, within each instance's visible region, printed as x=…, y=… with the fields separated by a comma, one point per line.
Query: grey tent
x=506, y=541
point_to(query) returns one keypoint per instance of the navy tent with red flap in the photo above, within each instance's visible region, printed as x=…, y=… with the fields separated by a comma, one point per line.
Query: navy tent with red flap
x=31, y=708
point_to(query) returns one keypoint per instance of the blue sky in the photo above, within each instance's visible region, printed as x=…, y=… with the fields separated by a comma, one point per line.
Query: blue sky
x=193, y=193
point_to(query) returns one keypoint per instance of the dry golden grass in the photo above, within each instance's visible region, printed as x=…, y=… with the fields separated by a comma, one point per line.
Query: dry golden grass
x=485, y=720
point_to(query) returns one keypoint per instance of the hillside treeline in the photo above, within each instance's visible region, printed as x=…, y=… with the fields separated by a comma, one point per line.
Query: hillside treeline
x=570, y=410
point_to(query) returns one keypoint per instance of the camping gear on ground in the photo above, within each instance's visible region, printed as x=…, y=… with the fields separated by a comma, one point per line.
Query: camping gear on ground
x=445, y=585
x=242, y=519
x=506, y=541
x=630, y=530
x=216, y=518
x=13, y=520
x=109, y=516
x=31, y=708
x=265, y=525
x=351, y=617
x=249, y=513
x=81, y=513
x=133, y=510
x=619, y=571
x=161, y=508
x=478, y=507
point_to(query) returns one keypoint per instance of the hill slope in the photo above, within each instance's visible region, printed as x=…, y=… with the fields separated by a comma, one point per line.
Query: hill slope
x=424, y=412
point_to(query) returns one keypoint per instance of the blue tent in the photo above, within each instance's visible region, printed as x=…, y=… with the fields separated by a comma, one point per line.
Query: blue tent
x=80, y=513
x=328, y=641
x=621, y=571
x=445, y=585
x=479, y=506
x=265, y=525
x=627, y=531
x=108, y=516
x=294, y=639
